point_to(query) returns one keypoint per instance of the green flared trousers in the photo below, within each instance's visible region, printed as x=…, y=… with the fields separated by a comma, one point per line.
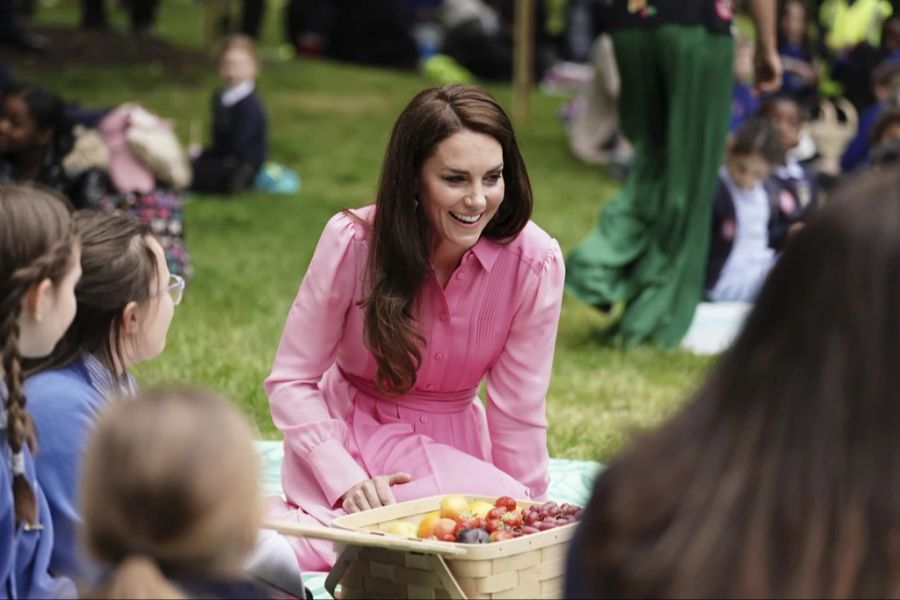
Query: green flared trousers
x=650, y=245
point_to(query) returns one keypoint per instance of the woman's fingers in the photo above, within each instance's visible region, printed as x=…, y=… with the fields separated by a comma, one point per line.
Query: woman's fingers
x=371, y=494
x=383, y=488
x=400, y=477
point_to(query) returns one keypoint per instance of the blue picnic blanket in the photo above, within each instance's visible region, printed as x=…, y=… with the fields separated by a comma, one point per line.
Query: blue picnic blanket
x=570, y=481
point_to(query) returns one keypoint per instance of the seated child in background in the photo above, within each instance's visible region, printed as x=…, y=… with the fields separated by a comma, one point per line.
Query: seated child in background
x=886, y=84
x=744, y=100
x=886, y=139
x=748, y=227
x=36, y=136
x=126, y=301
x=170, y=497
x=792, y=183
x=238, y=147
x=801, y=76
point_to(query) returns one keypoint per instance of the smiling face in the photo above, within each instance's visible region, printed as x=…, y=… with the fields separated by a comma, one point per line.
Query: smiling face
x=461, y=188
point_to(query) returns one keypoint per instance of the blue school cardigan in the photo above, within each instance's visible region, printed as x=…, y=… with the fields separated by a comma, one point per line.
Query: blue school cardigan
x=25, y=555
x=65, y=404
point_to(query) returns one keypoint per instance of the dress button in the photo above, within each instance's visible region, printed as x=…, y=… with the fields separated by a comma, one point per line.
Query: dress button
x=438, y=356
x=423, y=419
x=469, y=256
x=443, y=316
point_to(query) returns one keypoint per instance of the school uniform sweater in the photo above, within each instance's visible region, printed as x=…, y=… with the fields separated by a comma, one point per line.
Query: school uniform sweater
x=65, y=404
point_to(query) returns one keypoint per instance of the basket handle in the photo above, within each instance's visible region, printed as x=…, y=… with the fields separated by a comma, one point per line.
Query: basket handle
x=362, y=538
x=340, y=567
x=446, y=576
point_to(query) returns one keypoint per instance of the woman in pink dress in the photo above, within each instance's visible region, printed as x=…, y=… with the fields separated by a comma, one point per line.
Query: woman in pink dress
x=406, y=307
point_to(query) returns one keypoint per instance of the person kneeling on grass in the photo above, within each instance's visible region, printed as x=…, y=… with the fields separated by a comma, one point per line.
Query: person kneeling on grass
x=407, y=306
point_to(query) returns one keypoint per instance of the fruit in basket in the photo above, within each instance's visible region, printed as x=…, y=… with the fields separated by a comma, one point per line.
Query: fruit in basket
x=473, y=535
x=401, y=528
x=480, y=508
x=512, y=519
x=443, y=528
x=506, y=502
x=466, y=521
x=501, y=535
x=496, y=513
x=426, y=525
x=453, y=506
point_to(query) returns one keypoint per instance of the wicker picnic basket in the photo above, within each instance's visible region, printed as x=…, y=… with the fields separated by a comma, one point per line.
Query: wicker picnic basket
x=372, y=564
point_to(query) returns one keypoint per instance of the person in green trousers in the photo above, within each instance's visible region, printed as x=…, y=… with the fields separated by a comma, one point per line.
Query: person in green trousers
x=644, y=262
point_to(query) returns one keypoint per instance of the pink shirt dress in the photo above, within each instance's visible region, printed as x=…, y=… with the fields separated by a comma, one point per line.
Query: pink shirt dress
x=496, y=319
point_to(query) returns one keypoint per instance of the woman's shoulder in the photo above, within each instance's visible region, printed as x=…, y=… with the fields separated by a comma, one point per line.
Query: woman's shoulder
x=535, y=248
x=351, y=225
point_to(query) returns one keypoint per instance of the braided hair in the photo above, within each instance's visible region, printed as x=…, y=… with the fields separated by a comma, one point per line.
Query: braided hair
x=37, y=237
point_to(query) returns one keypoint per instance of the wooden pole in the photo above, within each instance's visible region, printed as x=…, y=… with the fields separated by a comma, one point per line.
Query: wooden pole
x=523, y=68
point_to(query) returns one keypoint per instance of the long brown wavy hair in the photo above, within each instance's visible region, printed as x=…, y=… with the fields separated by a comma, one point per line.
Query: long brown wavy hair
x=399, y=255
x=782, y=477
x=37, y=238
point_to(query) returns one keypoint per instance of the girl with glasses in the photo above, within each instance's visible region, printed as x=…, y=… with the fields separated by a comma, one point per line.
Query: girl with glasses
x=126, y=300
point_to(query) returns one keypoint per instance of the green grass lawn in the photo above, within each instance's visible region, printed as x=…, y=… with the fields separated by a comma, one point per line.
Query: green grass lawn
x=331, y=123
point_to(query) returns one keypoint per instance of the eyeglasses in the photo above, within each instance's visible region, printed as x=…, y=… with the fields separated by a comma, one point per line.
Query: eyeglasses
x=175, y=289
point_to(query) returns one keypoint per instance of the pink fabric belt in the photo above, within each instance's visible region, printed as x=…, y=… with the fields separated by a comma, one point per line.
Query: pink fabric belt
x=443, y=401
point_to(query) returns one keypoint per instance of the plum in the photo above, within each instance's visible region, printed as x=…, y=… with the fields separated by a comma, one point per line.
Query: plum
x=473, y=536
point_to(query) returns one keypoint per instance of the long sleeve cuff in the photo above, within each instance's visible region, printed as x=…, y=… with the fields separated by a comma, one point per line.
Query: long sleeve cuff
x=335, y=470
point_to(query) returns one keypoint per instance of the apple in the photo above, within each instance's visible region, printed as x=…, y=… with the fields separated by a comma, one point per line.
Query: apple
x=453, y=506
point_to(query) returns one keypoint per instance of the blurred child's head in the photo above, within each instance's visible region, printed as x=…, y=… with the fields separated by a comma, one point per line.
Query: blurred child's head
x=787, y=116
x=238, y=61
x=33, y=118
x=743, y=59
x=124, y=304
x=752, y=152
x=792, y=21
x=39, y=267
x=170, y=485
x=887, y=127
x=886, y=139
x=890, y=34
x=886, y=80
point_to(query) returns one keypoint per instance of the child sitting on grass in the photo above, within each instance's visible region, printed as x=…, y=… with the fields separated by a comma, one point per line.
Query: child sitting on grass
x=171, y=499
x=748, y=227
x=238, y=150
x=792, y=183
x=126, y=301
